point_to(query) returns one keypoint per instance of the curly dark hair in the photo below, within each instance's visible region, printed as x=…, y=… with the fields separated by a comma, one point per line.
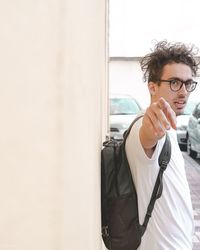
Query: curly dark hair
x=165, y=53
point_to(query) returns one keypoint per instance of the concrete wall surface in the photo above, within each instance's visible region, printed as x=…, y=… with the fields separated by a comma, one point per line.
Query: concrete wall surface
x=53, y=85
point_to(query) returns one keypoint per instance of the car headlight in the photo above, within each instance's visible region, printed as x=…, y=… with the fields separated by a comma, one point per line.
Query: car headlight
x=114, y=129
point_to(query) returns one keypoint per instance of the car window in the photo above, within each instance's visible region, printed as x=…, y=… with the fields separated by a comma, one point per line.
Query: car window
x=123, y=106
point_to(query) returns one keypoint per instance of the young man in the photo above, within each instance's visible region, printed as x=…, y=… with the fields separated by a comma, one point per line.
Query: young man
x=169, y=70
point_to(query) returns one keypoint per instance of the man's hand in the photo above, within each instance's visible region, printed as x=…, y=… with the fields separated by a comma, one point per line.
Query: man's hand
x=158, y=118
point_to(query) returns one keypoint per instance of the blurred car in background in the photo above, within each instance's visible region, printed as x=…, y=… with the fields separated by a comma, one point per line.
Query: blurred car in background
x=193, y=133
x=182, y=123
x=123, y=110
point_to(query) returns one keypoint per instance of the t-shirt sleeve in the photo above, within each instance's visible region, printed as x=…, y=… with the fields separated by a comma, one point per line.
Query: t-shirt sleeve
x=134, y=148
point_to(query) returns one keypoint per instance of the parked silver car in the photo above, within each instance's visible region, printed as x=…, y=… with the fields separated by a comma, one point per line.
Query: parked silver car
x=193, y=133
x=182, y=123
x=123, y=110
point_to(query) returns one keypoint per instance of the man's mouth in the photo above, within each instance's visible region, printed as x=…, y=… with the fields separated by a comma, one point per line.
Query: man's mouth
x=180, y=104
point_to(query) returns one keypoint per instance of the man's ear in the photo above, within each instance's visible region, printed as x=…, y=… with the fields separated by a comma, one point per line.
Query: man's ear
x=152, y=87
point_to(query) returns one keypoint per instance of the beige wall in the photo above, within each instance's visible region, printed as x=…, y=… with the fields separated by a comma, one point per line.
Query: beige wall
x=52, y=61
x=85, y=83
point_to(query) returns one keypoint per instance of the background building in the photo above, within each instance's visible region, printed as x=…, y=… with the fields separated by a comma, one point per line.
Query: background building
x=133, y=31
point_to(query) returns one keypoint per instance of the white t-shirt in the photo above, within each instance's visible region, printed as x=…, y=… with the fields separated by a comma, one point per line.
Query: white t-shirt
x=171, y=225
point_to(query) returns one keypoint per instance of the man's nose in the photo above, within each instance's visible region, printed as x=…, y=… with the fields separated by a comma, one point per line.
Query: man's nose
x=183, y=89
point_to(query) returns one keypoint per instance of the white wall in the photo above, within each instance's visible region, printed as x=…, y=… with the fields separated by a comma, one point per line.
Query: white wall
x=31, y=131
x=125, y=76
x=84, y=89
x=53, y=72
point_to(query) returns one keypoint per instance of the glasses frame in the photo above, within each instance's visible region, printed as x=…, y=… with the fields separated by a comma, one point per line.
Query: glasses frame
x=182, y=82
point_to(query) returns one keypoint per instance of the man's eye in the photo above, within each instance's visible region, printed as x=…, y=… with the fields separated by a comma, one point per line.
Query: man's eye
x=189, y=82
x=174, y=82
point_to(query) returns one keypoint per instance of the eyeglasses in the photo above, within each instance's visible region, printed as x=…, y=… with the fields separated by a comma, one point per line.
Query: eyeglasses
x=176, y=84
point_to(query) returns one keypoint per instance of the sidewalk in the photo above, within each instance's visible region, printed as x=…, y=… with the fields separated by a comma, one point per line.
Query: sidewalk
x=193, y=175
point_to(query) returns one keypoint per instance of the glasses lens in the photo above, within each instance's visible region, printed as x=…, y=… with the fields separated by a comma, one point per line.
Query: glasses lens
x=175, y=84
x=190, y=86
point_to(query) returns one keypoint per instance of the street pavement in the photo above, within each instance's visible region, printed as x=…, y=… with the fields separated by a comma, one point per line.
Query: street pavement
x=192, y=168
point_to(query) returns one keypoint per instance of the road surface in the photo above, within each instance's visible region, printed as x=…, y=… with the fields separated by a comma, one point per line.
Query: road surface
x=193, y=174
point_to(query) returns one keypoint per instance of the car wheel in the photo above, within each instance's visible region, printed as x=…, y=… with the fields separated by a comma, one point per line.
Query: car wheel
x=190, y=152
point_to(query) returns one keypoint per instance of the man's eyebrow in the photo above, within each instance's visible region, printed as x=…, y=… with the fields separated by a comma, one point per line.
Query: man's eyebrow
x=177, y=78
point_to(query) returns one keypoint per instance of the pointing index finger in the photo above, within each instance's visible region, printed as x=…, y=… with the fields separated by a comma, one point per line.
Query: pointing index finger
x=168, y=111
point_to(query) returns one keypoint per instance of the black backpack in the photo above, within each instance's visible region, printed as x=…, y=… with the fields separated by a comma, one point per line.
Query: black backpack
x=121, y=229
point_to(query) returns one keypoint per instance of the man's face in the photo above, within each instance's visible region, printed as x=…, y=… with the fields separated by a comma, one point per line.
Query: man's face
x=177, y=100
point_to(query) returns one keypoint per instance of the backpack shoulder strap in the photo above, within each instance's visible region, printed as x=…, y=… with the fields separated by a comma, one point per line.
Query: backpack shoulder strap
x=163, y=161
x=127, y=132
